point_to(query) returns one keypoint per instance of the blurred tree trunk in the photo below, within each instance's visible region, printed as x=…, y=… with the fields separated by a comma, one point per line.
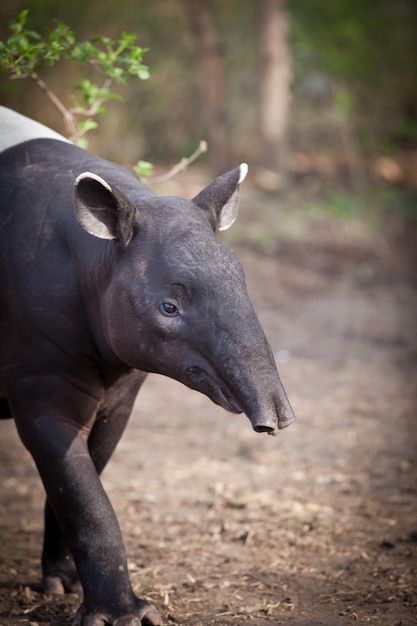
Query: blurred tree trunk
x=212, y=82
x=275, y=86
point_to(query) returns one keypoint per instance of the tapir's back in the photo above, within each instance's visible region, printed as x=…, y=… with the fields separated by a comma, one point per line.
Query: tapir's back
x=16, y=128
x=37, y=221
x=21, y=166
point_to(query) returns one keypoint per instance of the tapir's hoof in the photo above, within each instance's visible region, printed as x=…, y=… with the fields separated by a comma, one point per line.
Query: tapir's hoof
x=57, y=586
x=145, y=615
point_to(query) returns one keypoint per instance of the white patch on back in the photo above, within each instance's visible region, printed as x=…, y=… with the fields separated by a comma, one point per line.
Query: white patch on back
x=16, y=128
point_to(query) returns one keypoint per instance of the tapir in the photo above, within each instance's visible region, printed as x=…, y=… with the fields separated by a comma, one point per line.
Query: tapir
x=101, y=282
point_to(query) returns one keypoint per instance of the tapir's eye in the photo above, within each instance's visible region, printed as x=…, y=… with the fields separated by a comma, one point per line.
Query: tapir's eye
x=169, y=309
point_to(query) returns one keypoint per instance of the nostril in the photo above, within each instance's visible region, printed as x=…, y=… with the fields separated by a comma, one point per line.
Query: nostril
x=262, y=428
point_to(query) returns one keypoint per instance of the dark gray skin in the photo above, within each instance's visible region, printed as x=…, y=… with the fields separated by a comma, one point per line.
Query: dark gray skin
x=103, y=281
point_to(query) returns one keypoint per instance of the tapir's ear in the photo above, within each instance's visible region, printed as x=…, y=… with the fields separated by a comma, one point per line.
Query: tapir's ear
x=103, y=210
x=221, y=197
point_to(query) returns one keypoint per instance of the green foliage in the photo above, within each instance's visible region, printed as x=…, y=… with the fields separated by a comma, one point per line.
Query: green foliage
x=26, y=51
x=344, y=205
x=364, y=54
x=354, y=39
x=400, y=202
x=372, y=205
x=143, y=169
x=343, y=103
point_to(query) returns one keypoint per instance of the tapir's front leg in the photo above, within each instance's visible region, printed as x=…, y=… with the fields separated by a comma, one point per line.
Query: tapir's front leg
x=59, y=572
x=59, y=448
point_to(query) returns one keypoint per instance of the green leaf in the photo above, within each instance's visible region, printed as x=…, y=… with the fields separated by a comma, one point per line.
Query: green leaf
x=86, y=125
x=143, y=169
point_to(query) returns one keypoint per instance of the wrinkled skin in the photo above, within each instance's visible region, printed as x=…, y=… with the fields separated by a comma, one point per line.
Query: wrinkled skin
x=103, y=281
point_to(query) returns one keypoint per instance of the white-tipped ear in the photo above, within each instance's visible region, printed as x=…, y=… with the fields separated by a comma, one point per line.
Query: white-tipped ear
x=102, y=210
x=95, y=177
x=243, y=172
x=221, y=198
x=230, y=210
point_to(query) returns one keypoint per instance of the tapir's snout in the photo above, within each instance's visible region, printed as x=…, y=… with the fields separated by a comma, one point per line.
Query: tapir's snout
x=274, y=416
x=268, y=412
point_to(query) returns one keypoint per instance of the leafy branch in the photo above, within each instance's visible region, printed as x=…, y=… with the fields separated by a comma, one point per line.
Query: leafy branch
x=145, y=169
x=115, y=61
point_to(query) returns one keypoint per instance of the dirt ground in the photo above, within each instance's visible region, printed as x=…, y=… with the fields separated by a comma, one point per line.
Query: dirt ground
x=225, y=526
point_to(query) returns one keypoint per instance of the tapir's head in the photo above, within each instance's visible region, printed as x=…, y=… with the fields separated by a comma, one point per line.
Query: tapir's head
x=176, y=302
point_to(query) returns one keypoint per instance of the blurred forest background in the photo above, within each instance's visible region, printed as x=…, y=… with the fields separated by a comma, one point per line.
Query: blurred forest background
x=320, y=93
